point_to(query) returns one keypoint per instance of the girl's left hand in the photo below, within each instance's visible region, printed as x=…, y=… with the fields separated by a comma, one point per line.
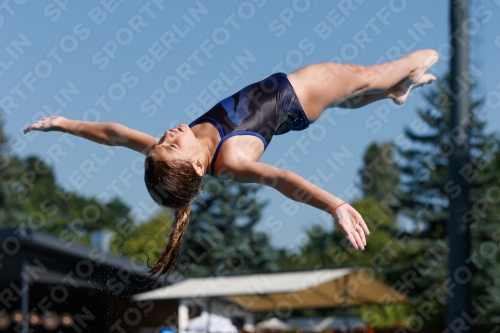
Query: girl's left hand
x=352, y=225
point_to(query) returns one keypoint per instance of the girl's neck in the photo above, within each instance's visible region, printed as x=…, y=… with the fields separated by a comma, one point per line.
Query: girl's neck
x=209, y=138
x=208, y=153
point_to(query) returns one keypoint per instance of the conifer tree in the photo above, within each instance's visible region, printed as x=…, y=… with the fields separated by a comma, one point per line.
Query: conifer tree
x=221, y=237
x=380, y=173
x=425, y=193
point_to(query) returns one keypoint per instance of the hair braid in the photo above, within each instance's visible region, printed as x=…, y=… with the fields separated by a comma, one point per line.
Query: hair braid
x=172, y=248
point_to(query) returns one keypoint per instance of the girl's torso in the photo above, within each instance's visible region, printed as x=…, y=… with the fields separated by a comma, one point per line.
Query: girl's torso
x=245, y=122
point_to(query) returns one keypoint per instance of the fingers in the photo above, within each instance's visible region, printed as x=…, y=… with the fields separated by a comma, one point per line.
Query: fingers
x=362, y=235
x=360, y=222
x=363, y=225
x=359, y=237
x=356, y=235
x=36, y=126
x=353, y=240
x=356, y=240
x=30, y=128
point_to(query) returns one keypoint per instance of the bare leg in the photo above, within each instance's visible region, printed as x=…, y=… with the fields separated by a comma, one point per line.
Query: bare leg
x=320, y=86
x=398, y=93
x=361, y=100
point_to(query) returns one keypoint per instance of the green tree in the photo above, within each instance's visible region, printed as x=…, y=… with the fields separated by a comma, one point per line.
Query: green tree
x=142, y=242
x=425, y=190
x=11, y=212
x=11, y=169
x=380, y=173
x=221, y=239
x=70, y=216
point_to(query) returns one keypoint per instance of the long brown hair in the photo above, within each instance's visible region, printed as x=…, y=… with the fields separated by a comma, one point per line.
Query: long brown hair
x=173, y=184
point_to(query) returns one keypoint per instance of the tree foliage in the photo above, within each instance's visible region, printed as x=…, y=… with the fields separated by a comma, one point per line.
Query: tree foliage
x=142, y=242
x=380, y=173
x=10, y=170
x=221, y=239
x=425, y=192
x=46, y=206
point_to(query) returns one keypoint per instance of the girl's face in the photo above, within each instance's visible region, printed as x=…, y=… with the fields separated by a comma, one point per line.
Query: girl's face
x=177, y=143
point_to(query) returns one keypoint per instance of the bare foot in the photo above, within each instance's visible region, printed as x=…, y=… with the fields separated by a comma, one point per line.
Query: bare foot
x=423, y=60
x=400, y=92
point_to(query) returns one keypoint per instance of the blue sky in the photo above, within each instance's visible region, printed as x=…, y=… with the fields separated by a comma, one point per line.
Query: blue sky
x=151, y=64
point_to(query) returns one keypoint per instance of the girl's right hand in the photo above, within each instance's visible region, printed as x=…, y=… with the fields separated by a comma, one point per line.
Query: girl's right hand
x=46, y=124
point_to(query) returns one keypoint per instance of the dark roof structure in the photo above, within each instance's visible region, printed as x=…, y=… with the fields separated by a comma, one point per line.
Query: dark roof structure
x=39, y=241
x=41, y=274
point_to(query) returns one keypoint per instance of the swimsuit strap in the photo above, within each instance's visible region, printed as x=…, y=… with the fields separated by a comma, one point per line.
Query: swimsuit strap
x=212, y=165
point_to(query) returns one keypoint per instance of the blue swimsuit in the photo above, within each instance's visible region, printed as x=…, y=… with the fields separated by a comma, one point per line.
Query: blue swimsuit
x=261, y=109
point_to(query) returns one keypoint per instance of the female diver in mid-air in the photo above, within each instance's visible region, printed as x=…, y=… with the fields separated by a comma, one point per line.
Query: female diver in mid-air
x=228, y=140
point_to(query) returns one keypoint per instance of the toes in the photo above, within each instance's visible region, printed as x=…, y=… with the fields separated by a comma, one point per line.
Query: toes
x=426, y=79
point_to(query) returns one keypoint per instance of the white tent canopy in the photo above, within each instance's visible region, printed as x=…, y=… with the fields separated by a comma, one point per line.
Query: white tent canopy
x=320, y=324
x=210, y=323
x=273, y=324
x=297, y=290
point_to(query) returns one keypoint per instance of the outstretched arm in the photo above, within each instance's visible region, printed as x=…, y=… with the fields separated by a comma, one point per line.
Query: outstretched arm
x=299, y=189
x=111, y=134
